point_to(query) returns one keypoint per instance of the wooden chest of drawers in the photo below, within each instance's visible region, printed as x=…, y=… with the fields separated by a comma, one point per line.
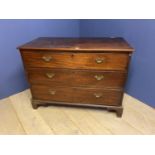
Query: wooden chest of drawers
x=77, y=71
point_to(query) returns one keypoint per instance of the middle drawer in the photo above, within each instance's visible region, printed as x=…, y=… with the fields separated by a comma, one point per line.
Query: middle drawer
x=66, y=77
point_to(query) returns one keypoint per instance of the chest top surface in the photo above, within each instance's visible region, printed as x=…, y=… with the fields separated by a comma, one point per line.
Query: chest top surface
x=78, y=44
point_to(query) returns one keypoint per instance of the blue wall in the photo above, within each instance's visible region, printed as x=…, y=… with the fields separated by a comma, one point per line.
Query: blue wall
x=16, y=32
x=141, y=35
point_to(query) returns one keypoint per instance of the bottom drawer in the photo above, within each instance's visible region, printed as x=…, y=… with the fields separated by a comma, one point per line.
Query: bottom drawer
x=77, y=95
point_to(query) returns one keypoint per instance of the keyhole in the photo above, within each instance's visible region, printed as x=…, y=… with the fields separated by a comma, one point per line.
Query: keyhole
x=72, y=55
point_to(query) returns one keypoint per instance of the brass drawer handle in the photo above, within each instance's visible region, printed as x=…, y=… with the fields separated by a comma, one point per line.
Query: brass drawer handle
x=47, y=58
x=50, y=75
x=99, y=60
x=52, y=92
x=98, y=95
x=99, y=77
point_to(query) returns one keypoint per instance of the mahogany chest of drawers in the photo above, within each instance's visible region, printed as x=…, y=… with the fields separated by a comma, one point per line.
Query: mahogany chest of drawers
x=77, y=71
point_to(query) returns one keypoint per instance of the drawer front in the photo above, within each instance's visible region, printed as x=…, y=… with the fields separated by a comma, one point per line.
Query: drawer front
x=77, y=95
x=106, y=61
x=97, y=96
x=65, y=77
x=50, y=93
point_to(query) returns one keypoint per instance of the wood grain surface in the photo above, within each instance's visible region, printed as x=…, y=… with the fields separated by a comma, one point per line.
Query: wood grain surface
x=77, y=71
x=19, y=117
x=117, y=44
x=108, y=61
x=77, y=95
x=76, y=78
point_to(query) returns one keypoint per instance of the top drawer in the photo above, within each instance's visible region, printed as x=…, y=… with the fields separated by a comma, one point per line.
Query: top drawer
x=106, y=61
